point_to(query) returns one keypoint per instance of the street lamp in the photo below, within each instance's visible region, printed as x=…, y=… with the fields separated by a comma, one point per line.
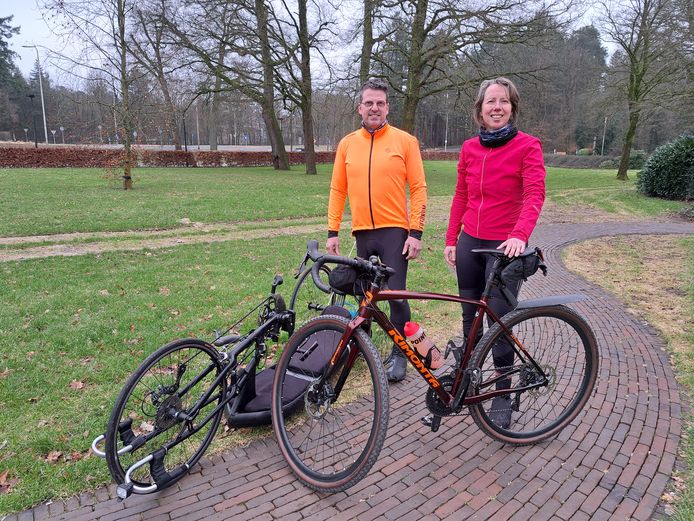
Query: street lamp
x=53, y=132
x=62, y=133
x=604, y=130
x=43, y=105
x=101, y=136
x=26, y=134
x=33, y=118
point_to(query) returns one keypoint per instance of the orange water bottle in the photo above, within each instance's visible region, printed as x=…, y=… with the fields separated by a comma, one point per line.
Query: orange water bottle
x=423, y=344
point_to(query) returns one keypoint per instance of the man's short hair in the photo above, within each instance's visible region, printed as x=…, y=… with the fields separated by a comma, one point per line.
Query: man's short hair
x=373, y=84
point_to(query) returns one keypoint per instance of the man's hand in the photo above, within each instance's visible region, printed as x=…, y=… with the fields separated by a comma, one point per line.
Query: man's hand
x=333, y=245
x=449, y=255
x=512, y=247
x=412, y=248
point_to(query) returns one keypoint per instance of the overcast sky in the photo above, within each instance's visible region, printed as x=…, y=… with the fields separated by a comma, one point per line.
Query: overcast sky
x=33, y=31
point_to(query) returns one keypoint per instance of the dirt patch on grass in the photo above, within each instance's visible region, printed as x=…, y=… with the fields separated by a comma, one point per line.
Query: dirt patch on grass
x=85, y=243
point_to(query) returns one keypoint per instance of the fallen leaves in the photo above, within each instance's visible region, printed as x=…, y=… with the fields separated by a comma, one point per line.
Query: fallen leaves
x=54, y=456
x=6, y=483
x=5, y=373
x=76, y=385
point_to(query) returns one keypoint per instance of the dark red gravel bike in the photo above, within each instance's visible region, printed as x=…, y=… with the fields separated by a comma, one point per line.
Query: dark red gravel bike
x=543, y=356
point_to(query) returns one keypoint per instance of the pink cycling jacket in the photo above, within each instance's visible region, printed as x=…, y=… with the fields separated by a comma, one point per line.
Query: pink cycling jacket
x=500, y=191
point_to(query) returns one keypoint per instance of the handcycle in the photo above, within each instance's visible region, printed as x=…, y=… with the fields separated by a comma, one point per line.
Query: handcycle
x=170, y=408
x=546, y=362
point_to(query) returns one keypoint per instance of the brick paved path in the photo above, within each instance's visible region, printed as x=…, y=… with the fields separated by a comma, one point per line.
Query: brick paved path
x=613, y=462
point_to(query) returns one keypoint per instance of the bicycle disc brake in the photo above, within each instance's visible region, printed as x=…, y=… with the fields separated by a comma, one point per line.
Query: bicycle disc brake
x=318, y=401
x=434, y=403
x=530, y=376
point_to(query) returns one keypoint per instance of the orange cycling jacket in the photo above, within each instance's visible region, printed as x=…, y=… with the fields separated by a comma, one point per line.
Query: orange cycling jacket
x=373, y=169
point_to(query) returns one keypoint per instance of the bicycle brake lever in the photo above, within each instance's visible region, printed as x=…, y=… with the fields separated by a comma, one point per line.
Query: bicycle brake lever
x=277, y=281
x=302, y=265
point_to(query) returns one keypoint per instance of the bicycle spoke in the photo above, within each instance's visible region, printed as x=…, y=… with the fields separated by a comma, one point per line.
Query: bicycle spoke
x=563, y=346
x=334, y=438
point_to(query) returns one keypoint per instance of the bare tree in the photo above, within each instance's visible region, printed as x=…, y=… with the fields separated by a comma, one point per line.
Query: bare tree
x=102, y=25
x=651, y=37
x=149, y=48
x=301, y=36
x=426, y=47
x=249, y=60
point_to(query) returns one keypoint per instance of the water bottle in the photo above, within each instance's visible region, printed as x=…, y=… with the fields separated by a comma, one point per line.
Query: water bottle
x=424, y=346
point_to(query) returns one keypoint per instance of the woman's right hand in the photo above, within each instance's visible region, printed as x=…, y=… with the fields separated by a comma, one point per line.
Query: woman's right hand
x=449, y=255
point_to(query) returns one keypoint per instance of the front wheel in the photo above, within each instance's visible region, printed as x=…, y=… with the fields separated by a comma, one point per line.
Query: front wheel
x=333, y=438
x=564, y=348
x=150, y=415
x=308, y=300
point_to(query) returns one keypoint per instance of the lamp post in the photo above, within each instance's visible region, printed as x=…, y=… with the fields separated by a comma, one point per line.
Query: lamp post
x=33, y=118
x=445, y=139
x=53, y=132
x=43, y=105
x=604, y=130
x=101, y=136
x=26, y=134
x=62, y=133
x=197, y=124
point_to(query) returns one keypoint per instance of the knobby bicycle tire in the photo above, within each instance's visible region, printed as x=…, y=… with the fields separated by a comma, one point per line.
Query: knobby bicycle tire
x=308, y=300
x=564, y=346
x=172, y=378
x=330, y=443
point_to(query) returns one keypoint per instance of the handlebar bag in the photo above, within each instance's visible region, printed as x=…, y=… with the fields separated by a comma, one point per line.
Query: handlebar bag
x=342, y=279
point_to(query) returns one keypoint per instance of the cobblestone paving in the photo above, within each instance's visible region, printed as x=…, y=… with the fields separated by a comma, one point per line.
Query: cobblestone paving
x=613, y=462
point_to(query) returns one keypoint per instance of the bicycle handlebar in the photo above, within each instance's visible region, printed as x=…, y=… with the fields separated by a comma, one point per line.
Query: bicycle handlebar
x=372, y=266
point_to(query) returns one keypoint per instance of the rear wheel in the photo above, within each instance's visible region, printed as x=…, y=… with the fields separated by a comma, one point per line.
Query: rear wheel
x=149, y=414
x=563, y=346
x=335, y=436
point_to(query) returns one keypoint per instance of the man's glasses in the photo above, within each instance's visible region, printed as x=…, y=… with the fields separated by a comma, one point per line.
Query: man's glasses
x=379, y=104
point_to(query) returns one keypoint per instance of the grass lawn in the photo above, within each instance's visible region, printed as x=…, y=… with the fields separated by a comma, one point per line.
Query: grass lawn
x=73, y=328
x=51, y=201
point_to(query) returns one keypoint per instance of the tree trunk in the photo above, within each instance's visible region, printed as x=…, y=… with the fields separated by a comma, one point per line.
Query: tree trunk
x=306, y=91
x=280, y=160
x=126, y=117
x=367, y=41
x=212, y=122
x=214, y=111
x=414, y=67
x=628, y=142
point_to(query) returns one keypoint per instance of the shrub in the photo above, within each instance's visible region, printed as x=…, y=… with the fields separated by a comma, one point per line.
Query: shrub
x=609, y=163
x=669, y=173
x=637, y=159
x=584, y=152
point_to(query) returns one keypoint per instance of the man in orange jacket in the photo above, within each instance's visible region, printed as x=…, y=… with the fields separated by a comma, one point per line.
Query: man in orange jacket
x=373, y=168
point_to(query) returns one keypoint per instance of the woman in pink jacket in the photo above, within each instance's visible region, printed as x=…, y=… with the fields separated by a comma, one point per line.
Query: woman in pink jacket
x=497, y=201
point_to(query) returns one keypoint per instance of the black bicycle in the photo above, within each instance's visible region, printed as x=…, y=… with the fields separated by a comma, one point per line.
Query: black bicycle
x=171, y=407
x=541, y=358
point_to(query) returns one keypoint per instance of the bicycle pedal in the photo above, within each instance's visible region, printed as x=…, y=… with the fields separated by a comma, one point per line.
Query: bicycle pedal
x=435, y=423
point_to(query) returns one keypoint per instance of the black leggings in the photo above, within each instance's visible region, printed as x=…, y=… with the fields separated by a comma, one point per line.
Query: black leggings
x=472, y=270
x=387, y=244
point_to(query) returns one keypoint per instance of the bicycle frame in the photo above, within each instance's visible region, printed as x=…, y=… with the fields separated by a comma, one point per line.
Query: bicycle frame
x=456, y=398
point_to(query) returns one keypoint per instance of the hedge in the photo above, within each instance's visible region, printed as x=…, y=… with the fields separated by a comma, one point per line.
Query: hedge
x=85, y=157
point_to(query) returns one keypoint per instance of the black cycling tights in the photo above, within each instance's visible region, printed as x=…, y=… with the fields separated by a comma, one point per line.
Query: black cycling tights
x=472, y=270
x=387, y=244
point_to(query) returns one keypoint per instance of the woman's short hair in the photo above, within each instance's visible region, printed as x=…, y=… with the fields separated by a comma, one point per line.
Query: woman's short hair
x=374, y=84
x=513, y=97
